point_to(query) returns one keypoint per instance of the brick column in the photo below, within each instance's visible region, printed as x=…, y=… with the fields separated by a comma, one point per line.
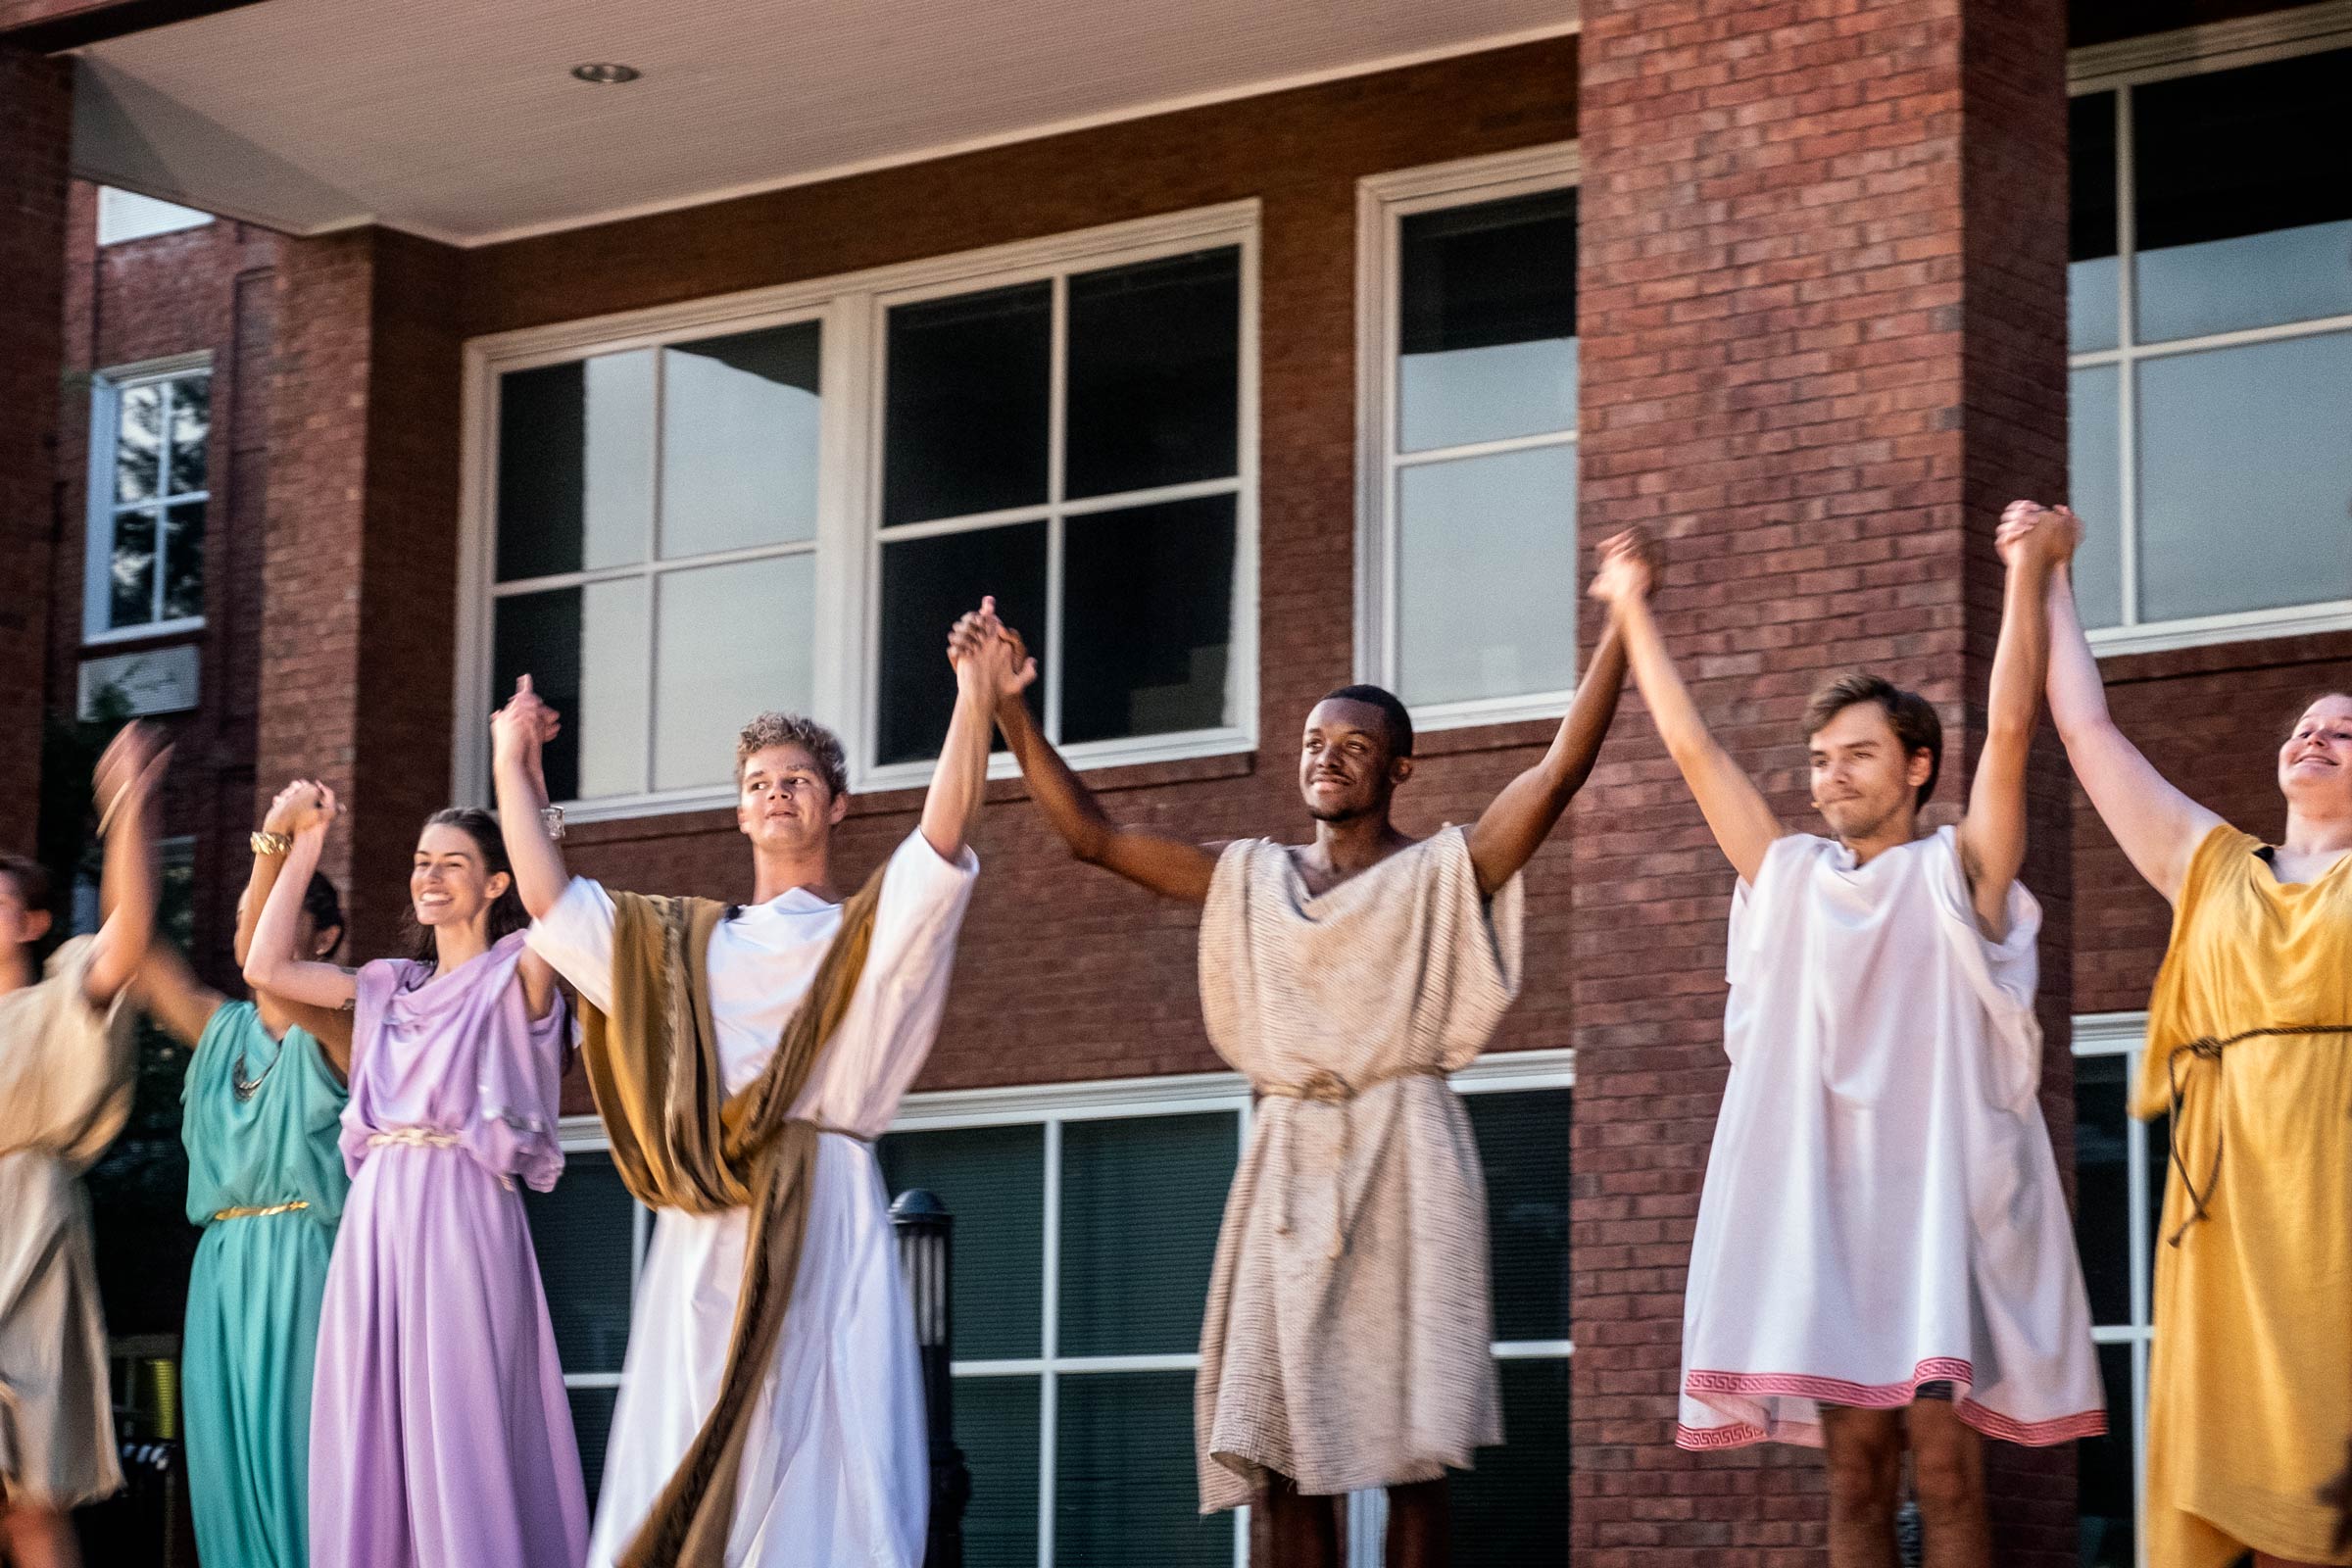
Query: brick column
x=37, y=119
x=1823, y=302
x=359, y=587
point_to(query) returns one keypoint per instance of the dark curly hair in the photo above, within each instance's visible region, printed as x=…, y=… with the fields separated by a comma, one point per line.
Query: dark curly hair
x=506, y=914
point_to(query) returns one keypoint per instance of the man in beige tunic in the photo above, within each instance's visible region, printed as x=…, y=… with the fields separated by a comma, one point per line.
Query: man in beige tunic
x=1347, y=1338
x=65, y=1091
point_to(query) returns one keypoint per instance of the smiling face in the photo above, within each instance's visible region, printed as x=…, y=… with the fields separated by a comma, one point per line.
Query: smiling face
x=1345, y=767
x=449, y=882
x=2315, y=766
x=1865, y=785
x=782, y=803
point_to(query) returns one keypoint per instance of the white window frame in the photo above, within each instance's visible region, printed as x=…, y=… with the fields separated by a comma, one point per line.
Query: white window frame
x=2124, y=1035
x=1382, y=203
x=2119, y=67
x=98, y=544
x=848, y=538
x=1053, y=1105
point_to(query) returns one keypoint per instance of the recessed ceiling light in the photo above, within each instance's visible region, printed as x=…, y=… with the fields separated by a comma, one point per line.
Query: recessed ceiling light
x=606, y=74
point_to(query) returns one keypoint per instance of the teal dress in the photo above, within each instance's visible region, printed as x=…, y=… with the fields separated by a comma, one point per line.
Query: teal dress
x=253, y=1299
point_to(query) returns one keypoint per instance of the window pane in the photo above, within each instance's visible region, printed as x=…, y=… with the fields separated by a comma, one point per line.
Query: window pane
x=1486, y=576
x=734, y=641
x=191, y=431
x=2244, y=183
x=1512, y=1510
x=964, y=422
x=575, y=465
x=1154, y=390
x=591, y=1425
x=2091, y=271
x=585, y=652
x=131, y=576
x=926, y=583
x=2105, y=1471
x=2245, y=492
x=2155, y=1137
x=993, y=1180
x=1486, y=327
x=183, y=560
x=138, y=443
x=2102, y=1187
x=1141, y=1201
x=739, y=440
x=996, y=1427
x=1124, y=1489
x=584, y=1232
x=1147, y=607
x=2095, y=489
x=1523, y=1144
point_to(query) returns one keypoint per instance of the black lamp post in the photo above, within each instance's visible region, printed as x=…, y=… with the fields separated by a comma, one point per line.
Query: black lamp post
x=926, y=1233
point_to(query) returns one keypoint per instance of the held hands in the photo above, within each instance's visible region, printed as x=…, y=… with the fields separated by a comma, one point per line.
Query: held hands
x=128, y=772
x=305, y=806
x=1628, y=570
x=2031, y=532
x=521, y=729
x=987, y=655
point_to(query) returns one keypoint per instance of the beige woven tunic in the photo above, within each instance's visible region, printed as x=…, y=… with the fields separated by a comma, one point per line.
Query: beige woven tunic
x=1347, y=1338
x=65, y=1091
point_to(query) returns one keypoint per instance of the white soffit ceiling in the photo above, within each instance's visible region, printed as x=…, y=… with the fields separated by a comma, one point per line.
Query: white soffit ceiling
x=458, y=119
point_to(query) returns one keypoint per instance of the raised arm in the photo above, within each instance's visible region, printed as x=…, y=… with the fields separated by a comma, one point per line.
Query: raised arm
x=1736, y=810
x=2032, y=544
x=331, y=1028
x=1169, y=866
x=989, y=668
x=171, y=994
x=519, y=735
x=127, y=780
x=2158, y=826
x=273, y=965
x=1509, y=831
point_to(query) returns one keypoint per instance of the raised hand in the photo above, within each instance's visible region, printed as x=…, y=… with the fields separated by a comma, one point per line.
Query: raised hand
x=2031, y=530
x=520, y=730
x=310, y=806
x=983, y=648
x=128, y=772
x=1628, y=570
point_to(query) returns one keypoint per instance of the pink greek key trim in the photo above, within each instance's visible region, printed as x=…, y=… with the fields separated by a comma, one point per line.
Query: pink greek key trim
x=1865, y=1397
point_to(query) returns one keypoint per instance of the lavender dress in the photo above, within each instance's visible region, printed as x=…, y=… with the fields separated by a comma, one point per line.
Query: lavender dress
x=440, y=1435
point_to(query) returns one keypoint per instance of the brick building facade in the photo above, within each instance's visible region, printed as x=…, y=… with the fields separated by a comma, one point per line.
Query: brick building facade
x=1829, y=317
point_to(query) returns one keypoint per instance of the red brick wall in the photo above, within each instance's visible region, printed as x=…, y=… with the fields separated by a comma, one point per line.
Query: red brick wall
x=1824, y=340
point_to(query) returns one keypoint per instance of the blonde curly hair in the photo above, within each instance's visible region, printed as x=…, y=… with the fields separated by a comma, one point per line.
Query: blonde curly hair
x=790, y=729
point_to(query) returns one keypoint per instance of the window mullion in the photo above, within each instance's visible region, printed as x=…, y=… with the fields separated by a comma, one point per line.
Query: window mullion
x=651, y=574
x=160, y=512
x=1049, y=1330
x=1057, y=408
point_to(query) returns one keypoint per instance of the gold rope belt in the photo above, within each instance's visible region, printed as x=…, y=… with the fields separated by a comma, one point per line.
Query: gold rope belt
x=2205, y=1048
x=1323, y=1087
x=413, y=1138
x=262, y=1213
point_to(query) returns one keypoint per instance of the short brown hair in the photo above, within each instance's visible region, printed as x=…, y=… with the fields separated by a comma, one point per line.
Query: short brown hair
x=1912, y=718
x=790, y=729
x=31, y=878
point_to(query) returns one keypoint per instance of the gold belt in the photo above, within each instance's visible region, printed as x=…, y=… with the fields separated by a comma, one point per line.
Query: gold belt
x=412, y=1137
x=262, y=1213
x=1324, y=1087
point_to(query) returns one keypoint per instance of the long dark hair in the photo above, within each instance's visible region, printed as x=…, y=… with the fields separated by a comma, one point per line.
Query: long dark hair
x=506, y=914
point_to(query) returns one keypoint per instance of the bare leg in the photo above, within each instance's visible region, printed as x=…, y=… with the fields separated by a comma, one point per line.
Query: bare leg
x=1947, y=1475
x=1418, y=1525
x=1865, y=1453
x=1289, y=1529
x=38, y=1538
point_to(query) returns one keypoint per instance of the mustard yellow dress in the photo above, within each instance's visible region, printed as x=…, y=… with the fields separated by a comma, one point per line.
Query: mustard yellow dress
x=2250, y=1377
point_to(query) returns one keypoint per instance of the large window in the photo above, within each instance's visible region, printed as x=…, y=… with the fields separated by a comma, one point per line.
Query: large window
x=590, y=1236
x=150, y=479
x=2210, y=324
x=783, y=501
x=1468, y=346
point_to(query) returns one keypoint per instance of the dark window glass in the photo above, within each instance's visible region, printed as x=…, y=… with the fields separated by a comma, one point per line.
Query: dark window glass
x=1512, y=1510
x=2102, y=1191
x=992, y=1179
x=2243, y=187
x=592, y=1426
x=131, y=576
x=2104, y=1472
x=183, y=560
x=966, y=406
x=1124, y=1489
x=191, y=431
x=2090, y=274
x=584, y=1232
x=1141, y=1201
x=542, y=470
x=1486, y=321
x=2155, y=1137
x=1523, y=1144
x=996, y=1427
x=1155, y=374
x=1148, y=611
x=926, y=583
x=139, y=443
x=539, y=635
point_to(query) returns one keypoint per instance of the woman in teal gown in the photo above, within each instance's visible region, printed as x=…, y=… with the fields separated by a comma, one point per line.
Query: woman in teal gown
x=262, y=1107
